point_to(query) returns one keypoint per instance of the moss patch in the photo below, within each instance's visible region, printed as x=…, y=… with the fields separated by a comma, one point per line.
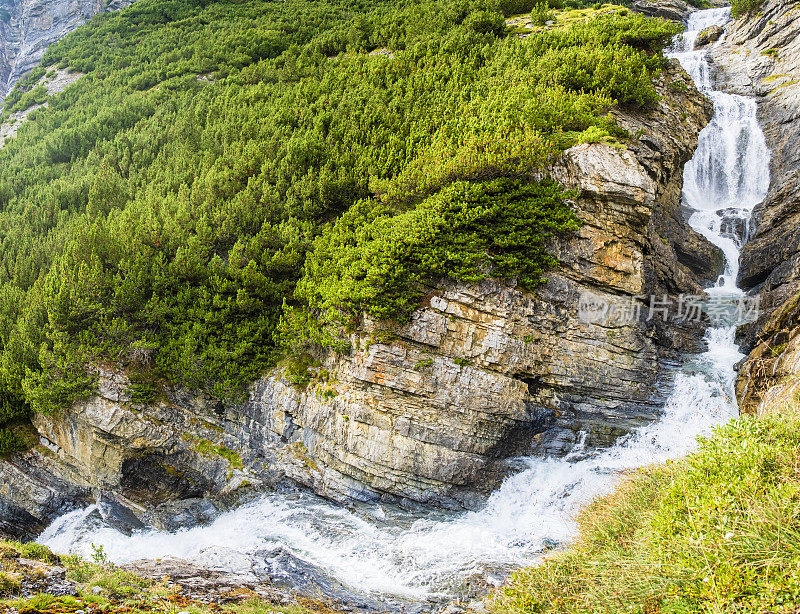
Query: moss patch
x=210, y=449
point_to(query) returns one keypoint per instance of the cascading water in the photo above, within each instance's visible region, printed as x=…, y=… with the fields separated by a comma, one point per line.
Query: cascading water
x=729, y=173
x=420, y=556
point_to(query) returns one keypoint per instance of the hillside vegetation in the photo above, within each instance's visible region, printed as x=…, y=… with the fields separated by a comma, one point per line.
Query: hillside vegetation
x=231, y=175
x=717, y=531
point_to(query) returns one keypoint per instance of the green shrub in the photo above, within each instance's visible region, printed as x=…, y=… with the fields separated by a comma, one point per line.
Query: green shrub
x=297, y=369
x=144, y=392
x=379, y=260
x=10, y=442
x=486, y=22
x=423, y=364
x=515, y=7
x=36, y=96
x=37, y=552
x=541, y=14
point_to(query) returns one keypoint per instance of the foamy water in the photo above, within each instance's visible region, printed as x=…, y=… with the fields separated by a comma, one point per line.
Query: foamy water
x=729, y=173
x=418, y=556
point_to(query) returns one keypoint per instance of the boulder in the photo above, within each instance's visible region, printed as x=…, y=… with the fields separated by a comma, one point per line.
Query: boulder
x=710, y=35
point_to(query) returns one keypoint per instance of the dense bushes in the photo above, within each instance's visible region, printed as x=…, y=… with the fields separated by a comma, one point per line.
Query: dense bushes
x=158, y=214
x=717, y=531
x=378, y=261
x=743, y=7
x=9, y=442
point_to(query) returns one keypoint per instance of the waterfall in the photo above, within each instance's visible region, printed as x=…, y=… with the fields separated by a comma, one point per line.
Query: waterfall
x=729, y=173
x=374, y=549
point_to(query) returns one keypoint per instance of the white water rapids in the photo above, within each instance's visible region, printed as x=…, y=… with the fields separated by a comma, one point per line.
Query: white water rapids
x=425, y=555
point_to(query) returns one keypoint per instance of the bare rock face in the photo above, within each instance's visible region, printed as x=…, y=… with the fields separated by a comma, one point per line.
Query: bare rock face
x=769, y=380
x=674, y=10
x=28, y=27
x=431, y=411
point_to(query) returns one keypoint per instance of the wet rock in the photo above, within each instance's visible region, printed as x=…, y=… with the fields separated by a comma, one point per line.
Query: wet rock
x=155, y=478
x=281, y=568
x=768, y=380
x=34, y=489
x=175, y=515
x=117, y=515
x=284, y=569
x=710, y=35
x=674, y=10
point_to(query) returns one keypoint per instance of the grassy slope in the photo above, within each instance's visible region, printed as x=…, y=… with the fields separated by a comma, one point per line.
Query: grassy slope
x=718, y=531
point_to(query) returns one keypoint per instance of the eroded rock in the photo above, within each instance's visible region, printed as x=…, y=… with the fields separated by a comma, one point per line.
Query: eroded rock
x=33, y=25
x=674, y=10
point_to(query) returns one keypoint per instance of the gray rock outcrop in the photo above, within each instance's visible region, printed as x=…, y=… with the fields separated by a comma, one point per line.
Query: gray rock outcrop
x=710, y=35
x=674, y=10
x=28, y=27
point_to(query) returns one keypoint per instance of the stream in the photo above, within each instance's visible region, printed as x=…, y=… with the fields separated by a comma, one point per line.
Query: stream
x=424, y=557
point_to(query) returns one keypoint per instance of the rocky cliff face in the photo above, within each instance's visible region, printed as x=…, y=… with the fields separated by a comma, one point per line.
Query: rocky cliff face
x=28, y=27
x=761, y=56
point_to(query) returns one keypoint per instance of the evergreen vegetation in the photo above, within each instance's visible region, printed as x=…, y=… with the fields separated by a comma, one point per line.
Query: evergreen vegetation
x=226, y=165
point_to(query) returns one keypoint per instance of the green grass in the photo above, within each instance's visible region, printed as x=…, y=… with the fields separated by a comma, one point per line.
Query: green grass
x=566, y=17
x=718, y=531
x=16, y=436
x=739, y=8
x=210, y=449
